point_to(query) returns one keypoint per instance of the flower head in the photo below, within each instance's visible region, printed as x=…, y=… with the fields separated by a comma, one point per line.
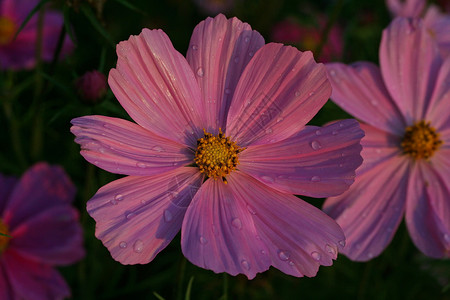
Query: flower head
x=39, y=230
x=404, y=105
x=91, y=86
x=20, y=53
x=219, y=147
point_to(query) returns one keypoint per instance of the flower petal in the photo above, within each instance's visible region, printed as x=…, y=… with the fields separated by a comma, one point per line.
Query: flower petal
x=316, y=162
x=409, y=62
x=7, y=184
x=33, y=280
x=5, y=286
x=438, y=24
x=371, y=210
x=138, y=216
x=52, y=236
x=156, y=86
x=244, y=227
x=280, y=90
x=359, y=89
x=219, y=50
x=428, y=210
x=409, y=8
x=120, y=146
x=47, y=187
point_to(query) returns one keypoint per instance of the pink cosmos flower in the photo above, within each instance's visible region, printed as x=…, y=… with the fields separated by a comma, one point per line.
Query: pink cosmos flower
x=406, y=8
x=404, y=105
x=219, y=147
x=20, y=53
x=43, y=232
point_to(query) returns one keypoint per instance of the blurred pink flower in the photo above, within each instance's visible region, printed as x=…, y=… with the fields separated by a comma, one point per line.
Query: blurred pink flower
x=406, y=8
x=229, y=192
x=21, y=52
x=406, y=170
x=43, y=232
x=308, y=37
x=213, y=7
x=91, y=86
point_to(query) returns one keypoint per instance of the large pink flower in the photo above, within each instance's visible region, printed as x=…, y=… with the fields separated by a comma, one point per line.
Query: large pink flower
x=404, y=105
x=43, y=232
x=219, y=147
x=21, y=52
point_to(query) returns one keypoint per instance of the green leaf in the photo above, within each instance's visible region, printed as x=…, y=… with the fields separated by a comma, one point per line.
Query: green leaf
x=189, y=288
x=158, y=296
x=4, y=234
x=131, y=6
x=96, y=24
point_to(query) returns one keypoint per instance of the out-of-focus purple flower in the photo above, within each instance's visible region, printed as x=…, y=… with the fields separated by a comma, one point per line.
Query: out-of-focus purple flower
x=405, y=105
x=213, y=7
x=406, y=8
x=42, y=232
x=20, y=53
x=219, y=147
x=308, y=37
x=91, y=86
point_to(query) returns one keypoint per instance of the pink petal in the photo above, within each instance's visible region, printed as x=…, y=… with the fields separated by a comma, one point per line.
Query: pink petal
x=428, y=210
x=41, y=187
x=406, y=8
x=371, y=210
x=409, y=62
x=5, y=286
x=33, y=280
x=438, y=24
x=244, y=227
x=316, y=162
x=123, y=147
x=219, y=50
x=52, y=236
x=359, y=89
x=280, y=90
x=156, y=86
x=138, y=216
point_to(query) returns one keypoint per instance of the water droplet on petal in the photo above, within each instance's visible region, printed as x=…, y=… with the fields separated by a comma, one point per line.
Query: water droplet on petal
x=315, y=179
x=310, y=94
x=318, y=132
x=200, y=72
x=269, y=130
x=316, y=145
x=297, y=93
x=194, y=47
x=334, y=132
x=245, y=264
x=251, y=210
x=167, y=216
x=283, y=255
x=123, y=245
x=113, y=201
x=333, y=73
x=280, y=119
x=251, y=54
x=341, y=124
x=138, y=246
x=263, y=252
x=118, y=197
x=316, y=255
x=158, y=149
x=330, y=249
x=130, y=215
x=140, y=164
x=236, y=222
x=203, y=240
x=291, y=263
x=267, y=179
x=342, y=243
x=247, y=39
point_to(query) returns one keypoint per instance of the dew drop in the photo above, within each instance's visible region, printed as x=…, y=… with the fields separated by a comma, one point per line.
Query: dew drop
x=130, y=215
x=315, y=179
x=341, y=124
x=318, y=132
x=370, y=255
x=330, y=249
x=236, y=222
x=247, y=39
x=203, y=240
x=316, y=255
x=245, y=264
x=310, y=94
x=251, y=54
x=200, y=72
x=269, y=130
x=297, y=93
x=101, y=150
x=140, y=164
x=316, y=145
x=333, y=73
x=291, y=263
x=251, y=210
x=123, y=245
x=194, y=47
x=118, y=197
x=267, y=179
x=280, y=119
x=263, y=252
x=283, y=255
x=334, y=132
x=158, y=149
x=138, y=246
x=113, y=202
x=342, y=243
x=167, y=216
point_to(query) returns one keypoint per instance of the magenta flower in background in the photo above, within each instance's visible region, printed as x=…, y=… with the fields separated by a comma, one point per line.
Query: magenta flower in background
x=43, y=232
x=219, y=147
x=406, y=8
x=91, y=86
x=404, y=105
x=21, y=52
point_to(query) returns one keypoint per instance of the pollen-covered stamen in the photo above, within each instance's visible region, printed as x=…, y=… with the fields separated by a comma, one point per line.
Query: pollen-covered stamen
x=216, y=155
x=420, y=140
x=4, y=236
x=7, y=30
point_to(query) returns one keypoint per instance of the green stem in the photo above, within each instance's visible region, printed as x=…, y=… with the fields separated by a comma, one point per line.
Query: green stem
x=326, y=30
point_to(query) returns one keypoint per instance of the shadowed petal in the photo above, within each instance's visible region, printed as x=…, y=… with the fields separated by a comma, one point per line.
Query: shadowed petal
x=7, y=184
x=371, y=210
x=244, y=227
x=279, y=92
x=33, y=280
x=438, y=24
x=123, y=147
x=156, y=86
x=409, y=63
x=5, y=286
x=360, y=90
x=316, y=162
x=219, y=50
x=408, y=8
x=428, y=210
x=138, y=216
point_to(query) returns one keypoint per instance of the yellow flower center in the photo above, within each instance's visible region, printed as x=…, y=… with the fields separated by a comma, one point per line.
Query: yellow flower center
x=4, y=236
x=216, y=155
x=7, y=30
x=420, y=140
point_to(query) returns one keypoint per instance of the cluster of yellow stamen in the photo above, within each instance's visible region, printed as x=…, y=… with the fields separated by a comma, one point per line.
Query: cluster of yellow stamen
x=7, y=30
x=216, y=155
x=4, y=237
x=420, y=140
